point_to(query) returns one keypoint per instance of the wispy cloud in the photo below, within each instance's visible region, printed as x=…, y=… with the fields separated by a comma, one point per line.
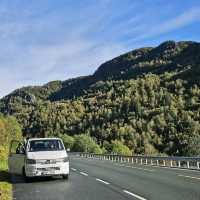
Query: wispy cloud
x=38, y=50
x=47, y=40
x=190, y=16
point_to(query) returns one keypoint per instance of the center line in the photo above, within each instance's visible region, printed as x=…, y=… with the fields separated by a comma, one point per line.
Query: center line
x=97, y=179
x=134, y=195
x=193, y=177
x=83, y=173
x=73, y=169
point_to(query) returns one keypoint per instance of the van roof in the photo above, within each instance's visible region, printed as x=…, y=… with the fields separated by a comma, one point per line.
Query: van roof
x=31, y=139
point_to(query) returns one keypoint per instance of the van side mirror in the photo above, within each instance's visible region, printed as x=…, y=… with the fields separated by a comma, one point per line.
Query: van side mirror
x=20, y=150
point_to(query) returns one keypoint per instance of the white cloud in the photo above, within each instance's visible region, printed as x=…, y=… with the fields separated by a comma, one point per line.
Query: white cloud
x=42, y=63
x=39, y=50
x=152, y=30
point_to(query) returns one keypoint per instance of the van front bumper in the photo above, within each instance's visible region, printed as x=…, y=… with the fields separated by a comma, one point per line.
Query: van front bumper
x=38, y=170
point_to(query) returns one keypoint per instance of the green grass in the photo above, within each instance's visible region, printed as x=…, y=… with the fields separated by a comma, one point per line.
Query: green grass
x=5, y=185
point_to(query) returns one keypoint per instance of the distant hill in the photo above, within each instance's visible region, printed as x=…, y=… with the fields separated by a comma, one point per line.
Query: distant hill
x=148, y=99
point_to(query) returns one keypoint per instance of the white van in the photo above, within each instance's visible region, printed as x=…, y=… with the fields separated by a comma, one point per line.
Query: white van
x=39, y=157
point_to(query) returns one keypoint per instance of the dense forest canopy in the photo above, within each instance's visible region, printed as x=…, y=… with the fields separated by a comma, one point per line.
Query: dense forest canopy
x=146, y=101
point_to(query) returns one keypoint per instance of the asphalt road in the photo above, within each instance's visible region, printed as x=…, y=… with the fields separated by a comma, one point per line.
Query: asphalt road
x=99, y=180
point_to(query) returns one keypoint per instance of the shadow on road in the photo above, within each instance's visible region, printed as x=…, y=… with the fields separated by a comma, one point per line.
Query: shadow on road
x=5, y=176
x=19, y=179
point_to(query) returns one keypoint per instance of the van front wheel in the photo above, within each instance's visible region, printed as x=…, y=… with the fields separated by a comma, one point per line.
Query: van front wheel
x=26, y=178
x=66, y=177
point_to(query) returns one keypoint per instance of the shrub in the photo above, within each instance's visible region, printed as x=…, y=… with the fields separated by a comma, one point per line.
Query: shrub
x=84, y=143
x=119, y=148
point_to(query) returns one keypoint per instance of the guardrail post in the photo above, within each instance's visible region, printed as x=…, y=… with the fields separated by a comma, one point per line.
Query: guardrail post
x=151, y=162
x=188, y=164
x=157, y=162
x=132, y=160
x=136, y=161
x=141, y=161
x=197, y=164
x=164, y=163
x=179, y=163
x=171, y=163
x=146, y=161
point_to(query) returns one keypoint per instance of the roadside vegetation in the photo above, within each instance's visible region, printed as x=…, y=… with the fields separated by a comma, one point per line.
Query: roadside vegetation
x=9, y=129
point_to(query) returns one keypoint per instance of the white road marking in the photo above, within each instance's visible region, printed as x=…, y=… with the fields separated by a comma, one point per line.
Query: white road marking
x=121, y=165
x=192, y=177
x=83, y=173
x=150, y=170
x=73, y=169
x=134, y=195
x=128, y=166
x=102, y=181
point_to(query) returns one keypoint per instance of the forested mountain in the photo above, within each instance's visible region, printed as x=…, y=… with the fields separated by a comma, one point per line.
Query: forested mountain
x=145, y=101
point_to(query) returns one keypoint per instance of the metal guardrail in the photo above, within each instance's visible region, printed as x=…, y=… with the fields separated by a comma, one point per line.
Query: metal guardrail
x=172, y=162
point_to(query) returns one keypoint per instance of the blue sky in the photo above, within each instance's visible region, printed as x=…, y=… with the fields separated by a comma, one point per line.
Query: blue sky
x=45, y=40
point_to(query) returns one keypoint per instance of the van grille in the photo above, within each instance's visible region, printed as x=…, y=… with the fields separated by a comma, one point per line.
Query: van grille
x=46, y=161
x=48, y=168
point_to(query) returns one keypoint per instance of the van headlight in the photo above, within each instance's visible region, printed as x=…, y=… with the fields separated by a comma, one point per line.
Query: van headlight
x=30, y=161
x=66, y=159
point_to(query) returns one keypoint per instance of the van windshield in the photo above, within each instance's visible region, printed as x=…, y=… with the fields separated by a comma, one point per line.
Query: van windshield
x=45, y=145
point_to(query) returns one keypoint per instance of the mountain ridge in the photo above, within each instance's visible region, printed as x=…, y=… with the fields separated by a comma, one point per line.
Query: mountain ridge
x=126, y=66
